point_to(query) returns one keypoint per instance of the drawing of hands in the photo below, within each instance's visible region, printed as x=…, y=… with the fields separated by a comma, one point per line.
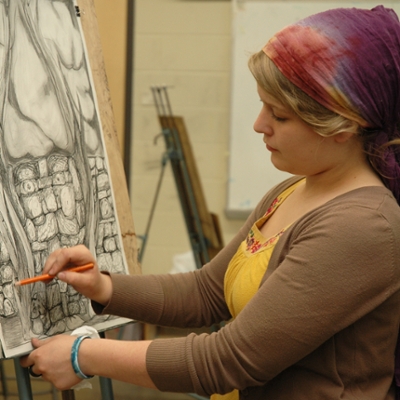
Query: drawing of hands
x=91, y=283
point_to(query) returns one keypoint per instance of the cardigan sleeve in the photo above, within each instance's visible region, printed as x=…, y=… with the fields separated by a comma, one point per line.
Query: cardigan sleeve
x=192, y=299
x=335, y=267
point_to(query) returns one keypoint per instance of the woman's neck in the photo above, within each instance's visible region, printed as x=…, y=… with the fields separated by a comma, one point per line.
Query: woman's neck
x=341, y=179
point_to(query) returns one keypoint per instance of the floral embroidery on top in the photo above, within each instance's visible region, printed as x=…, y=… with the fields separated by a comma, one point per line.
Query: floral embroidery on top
x=254, y=240
x=273, y=205
x=252, y=243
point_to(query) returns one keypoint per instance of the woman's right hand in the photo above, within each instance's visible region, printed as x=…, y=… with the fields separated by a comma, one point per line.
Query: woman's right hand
x=91, y=283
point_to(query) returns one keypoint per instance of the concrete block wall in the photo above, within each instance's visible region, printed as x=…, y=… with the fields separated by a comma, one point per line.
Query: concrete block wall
x=185, y=45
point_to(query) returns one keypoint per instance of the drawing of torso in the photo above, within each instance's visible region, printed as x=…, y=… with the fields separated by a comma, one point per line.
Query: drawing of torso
x=54, y=180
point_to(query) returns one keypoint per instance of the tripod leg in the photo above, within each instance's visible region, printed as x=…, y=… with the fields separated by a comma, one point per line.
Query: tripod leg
x=23, y=381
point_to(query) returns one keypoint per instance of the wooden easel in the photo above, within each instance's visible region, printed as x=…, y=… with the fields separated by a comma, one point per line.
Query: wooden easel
x=202, y=226
x=95, y=54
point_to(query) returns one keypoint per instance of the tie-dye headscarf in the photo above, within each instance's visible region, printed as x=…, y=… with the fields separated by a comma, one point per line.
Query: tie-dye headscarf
x=348, y=60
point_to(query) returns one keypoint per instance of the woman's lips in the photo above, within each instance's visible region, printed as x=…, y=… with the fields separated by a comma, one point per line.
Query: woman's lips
x=271, y=148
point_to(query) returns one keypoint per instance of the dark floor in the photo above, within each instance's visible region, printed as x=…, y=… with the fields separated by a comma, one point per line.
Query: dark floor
x=42, y=390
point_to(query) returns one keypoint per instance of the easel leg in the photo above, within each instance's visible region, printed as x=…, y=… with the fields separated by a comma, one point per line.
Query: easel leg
x=23, y=381
x=106, y=388
x=105, y=383
x=68, y=394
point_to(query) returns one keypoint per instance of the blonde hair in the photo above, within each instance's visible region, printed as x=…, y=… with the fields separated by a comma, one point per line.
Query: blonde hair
x=322, y=120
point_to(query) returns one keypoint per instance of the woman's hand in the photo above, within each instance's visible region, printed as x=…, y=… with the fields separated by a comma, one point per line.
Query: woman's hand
x=91, y=283
x=123, y=360
x=51, y=359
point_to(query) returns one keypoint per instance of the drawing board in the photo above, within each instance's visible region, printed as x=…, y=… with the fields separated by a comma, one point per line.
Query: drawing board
x=59, y=167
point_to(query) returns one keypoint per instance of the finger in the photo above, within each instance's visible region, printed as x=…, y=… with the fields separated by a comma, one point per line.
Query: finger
x=67, y=257
x=75, y=279
x=25, y=361
x=36, y=343
x=33, y=373
x=28, y=360
x=56, y=261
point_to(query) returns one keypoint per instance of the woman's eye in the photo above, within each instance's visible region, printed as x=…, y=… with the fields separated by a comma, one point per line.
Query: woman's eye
x=279, y=119
x=270, y=109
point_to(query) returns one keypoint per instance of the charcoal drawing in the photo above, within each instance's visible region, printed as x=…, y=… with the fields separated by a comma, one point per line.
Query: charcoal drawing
x=55, y=187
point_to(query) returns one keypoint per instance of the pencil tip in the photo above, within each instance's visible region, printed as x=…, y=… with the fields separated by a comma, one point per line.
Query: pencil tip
x=17, y=284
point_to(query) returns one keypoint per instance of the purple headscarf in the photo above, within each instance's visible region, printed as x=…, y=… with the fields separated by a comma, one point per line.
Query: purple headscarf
x=348, y=60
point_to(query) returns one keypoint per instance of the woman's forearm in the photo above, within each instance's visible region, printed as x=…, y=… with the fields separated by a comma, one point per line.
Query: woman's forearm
x=121, y=360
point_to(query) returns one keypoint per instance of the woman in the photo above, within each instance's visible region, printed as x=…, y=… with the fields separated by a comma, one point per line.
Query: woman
x=311, y=282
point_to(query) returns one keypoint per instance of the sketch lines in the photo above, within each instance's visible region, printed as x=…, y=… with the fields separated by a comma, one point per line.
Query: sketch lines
x=55, y=185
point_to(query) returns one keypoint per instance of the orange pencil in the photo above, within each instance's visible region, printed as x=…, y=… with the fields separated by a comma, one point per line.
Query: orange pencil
x=47, y=277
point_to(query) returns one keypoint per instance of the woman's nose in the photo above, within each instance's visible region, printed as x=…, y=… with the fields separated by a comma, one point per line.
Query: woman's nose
x=262, y=123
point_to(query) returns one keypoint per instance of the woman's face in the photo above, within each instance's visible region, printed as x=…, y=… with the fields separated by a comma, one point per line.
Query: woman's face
x=295, y=147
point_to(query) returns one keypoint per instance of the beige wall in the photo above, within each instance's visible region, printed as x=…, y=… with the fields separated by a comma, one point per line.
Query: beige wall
x=186, y=45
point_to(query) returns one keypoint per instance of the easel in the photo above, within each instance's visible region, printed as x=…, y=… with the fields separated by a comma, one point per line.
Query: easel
x=89, y=24
x=202, y=226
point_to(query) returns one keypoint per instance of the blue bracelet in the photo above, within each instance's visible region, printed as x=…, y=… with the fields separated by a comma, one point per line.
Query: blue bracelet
x=74, y=357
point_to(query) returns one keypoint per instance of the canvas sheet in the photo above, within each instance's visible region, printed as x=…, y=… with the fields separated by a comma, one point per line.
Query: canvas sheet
x=55, y=184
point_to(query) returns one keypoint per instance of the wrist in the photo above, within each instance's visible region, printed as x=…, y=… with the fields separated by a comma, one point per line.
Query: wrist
x=106, y=289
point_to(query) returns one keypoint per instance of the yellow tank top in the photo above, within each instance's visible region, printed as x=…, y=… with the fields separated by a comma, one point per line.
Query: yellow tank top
x=248, y=266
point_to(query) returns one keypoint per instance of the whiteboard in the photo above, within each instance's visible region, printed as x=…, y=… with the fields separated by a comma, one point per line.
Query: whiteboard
x=251, y=174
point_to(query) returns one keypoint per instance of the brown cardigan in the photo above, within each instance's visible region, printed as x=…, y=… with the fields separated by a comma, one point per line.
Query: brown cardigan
x=323, y=324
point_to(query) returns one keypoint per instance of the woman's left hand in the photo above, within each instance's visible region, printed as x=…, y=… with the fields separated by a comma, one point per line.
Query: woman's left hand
x=51, y=358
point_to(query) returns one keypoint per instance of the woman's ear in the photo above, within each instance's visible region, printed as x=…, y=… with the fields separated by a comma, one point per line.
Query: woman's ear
x=343, y=137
